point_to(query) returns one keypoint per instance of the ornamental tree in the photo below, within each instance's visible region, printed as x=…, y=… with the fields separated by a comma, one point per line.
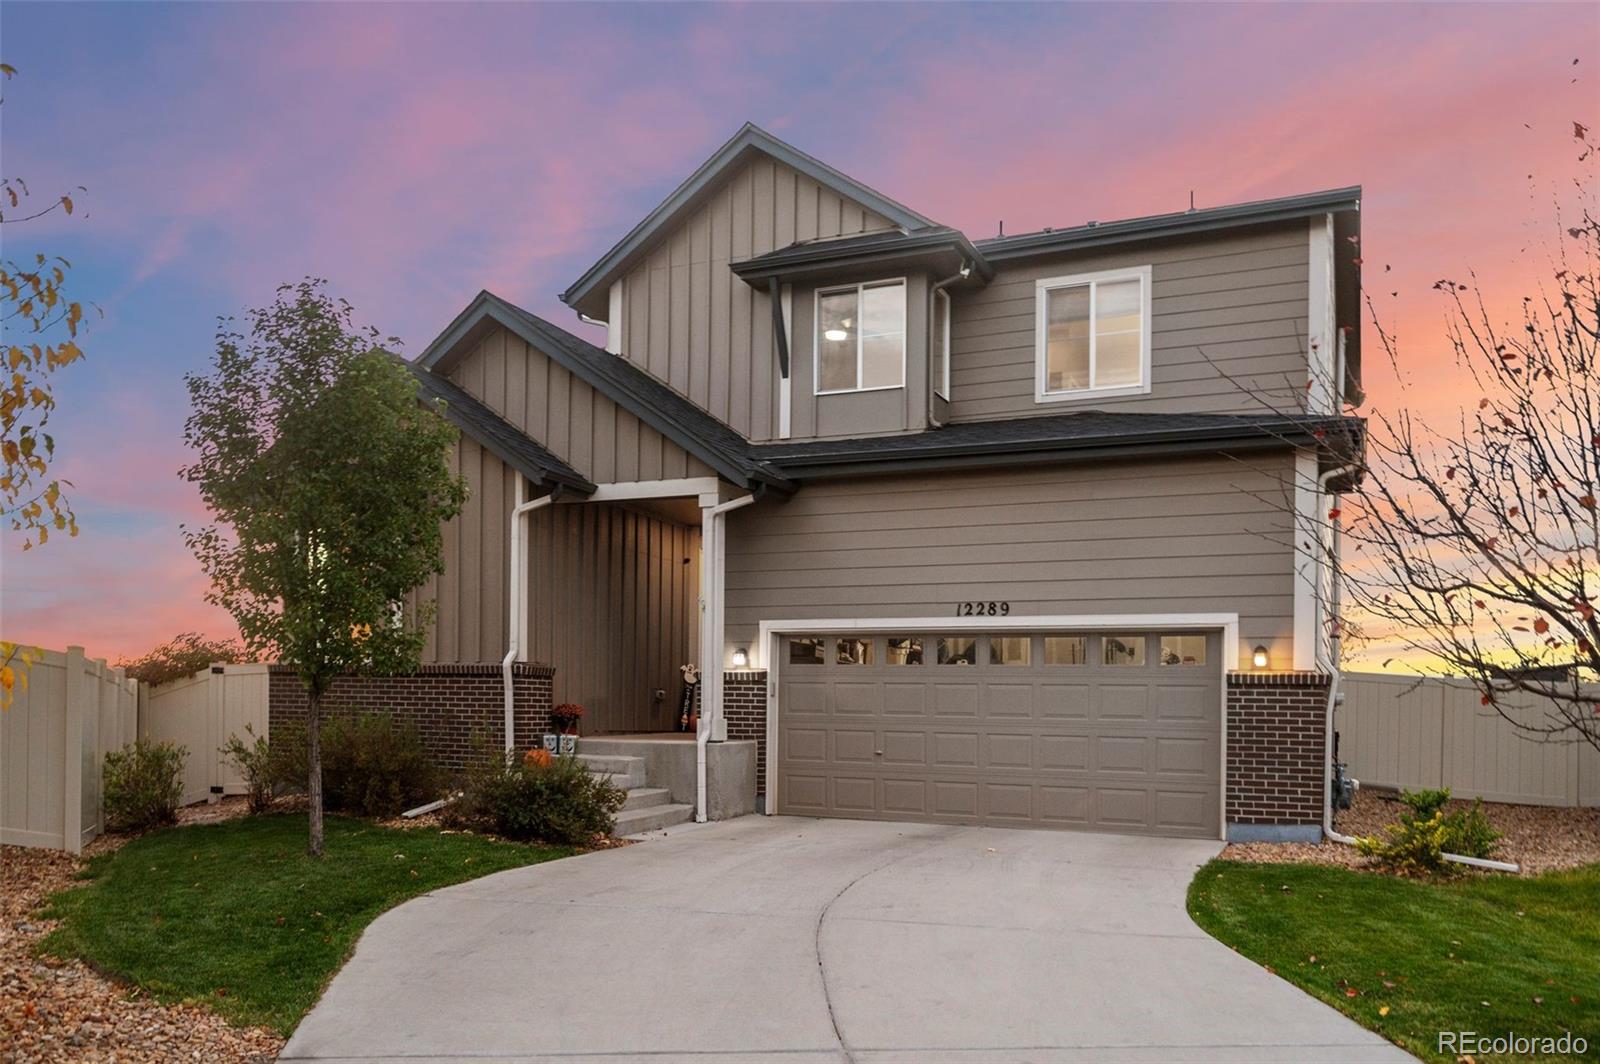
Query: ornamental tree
x=1478, y=546
x=329, y=483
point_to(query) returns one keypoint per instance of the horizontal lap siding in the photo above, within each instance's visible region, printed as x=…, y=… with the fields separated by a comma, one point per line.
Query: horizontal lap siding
x=689, y=321
x=1199, y=535
x=613, y=596
x=597, y=437
x=1228, y=328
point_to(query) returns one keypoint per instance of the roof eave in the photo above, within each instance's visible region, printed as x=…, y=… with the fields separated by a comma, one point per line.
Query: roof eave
x=1031, y=452
x=1166, y=226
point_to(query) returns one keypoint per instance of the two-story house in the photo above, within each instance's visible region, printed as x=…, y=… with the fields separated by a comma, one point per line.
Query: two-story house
x=1025, y=530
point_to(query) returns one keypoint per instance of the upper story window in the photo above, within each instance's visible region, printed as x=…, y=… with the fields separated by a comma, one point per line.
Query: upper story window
x=861, y=337
x=1093, y=335
x=939, y=348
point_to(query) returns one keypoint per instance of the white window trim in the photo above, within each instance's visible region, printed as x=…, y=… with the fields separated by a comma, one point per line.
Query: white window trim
x=941, y=388
x=816, y=335
x=1042, y=325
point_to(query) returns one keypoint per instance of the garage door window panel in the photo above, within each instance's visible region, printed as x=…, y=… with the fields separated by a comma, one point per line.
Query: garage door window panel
x=902, y=650
x=806, y=651
x=1010, y=649
x=958, y=650
x=1123, y=650
x=1183, y=650
x=1066, y=650
x=854, y=652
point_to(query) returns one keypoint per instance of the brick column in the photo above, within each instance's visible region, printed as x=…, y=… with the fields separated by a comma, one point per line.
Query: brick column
x=454, y=707
x=1277, y=756
x=744, y=707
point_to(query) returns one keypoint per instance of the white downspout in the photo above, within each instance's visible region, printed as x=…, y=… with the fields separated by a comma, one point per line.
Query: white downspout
x=1333, y=653
x=713, y=526
x=517, y=595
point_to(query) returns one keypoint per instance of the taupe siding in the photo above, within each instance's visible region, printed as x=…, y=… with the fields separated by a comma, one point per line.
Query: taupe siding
x=1198, y=535
x=688, y=320
x=1228, y=318
x=600, y=439
x=613, y=597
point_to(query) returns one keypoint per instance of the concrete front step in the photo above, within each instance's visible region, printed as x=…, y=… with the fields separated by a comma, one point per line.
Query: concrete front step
x=625, y=772
x=652, y=818
x=647, y=798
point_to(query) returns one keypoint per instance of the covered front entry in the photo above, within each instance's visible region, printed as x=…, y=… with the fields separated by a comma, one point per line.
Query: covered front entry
x=1108, y=731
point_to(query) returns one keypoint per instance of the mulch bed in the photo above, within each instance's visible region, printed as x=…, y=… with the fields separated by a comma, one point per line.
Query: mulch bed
x=55, y=1011
x=1540, y=838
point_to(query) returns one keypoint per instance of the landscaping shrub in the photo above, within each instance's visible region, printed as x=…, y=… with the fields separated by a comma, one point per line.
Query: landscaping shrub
x=255, y=763
x=554, y=800
x=371, y=765
x=1416, y=845
x=143, y=785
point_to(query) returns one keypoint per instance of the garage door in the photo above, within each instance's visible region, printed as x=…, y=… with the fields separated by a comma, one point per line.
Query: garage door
x=1106, y=731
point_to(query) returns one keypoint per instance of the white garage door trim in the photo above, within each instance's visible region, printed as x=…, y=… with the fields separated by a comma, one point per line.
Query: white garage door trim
x=1228, y=623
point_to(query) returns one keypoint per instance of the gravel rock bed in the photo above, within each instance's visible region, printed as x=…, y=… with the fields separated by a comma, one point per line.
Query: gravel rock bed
x=55, y=1011
x=1540, y=838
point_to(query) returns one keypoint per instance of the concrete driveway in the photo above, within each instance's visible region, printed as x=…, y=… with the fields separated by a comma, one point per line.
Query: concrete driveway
x=784, y=939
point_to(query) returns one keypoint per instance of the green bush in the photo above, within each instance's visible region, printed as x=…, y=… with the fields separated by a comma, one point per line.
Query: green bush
x=143, y=785
x=255, y=763
x=1416, y=845
x=531, y=801
x=371, y=765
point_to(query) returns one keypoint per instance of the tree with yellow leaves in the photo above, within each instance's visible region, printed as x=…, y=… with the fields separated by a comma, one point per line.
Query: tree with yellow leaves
x=35, y=312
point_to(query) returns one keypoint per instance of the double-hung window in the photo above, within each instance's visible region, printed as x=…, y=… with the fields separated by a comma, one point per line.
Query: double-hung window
x=861, y=337
x=1093, y=335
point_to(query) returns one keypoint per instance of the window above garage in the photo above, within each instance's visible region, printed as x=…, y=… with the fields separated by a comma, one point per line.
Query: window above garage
x=1093, y=335
x=861, y=337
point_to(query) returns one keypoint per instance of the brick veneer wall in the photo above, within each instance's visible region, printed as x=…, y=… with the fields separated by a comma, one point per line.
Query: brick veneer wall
x=1277, y=753
x=453, y=706
x=744, y=707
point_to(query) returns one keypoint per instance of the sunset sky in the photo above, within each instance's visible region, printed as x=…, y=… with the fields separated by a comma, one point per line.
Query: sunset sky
x=414, y=154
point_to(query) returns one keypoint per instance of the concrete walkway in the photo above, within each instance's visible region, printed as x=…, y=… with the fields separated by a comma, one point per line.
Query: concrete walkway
x=783, y=939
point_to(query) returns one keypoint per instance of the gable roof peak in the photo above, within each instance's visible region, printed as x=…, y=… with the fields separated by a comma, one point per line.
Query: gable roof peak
x=734, y=152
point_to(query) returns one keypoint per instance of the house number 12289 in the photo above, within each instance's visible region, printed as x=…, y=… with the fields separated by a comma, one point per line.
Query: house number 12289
x=982, y=609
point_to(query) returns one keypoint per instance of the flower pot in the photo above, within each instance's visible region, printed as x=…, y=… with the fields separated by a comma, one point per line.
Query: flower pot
x=569, y=744
x=552, y=742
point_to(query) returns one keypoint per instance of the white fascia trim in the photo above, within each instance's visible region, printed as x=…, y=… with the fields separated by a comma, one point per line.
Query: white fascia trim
x=648, y=489
x=1041, y=330
x=614, y=319
x=1307, y=559
x=1321, y=345
x=770, y=630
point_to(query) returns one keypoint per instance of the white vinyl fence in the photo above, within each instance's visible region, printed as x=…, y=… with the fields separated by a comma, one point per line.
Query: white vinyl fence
x=1409, y=731
x=199, y=713
x=53, y=741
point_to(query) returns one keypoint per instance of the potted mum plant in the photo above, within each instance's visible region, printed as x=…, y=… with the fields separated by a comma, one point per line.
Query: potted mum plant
x=564, y=721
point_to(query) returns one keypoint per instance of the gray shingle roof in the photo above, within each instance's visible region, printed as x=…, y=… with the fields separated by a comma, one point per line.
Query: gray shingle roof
x=1090, y=433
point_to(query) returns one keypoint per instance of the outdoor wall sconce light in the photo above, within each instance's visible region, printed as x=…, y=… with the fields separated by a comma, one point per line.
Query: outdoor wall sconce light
x=741, y=658
x=1258, y=657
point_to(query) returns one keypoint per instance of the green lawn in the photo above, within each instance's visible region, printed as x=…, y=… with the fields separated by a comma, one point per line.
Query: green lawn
x=1487, y=954
x=237, y=916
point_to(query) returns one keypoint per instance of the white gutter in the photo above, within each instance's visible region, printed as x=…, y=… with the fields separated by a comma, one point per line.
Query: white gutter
x=516, y=594
x=1332, y=665
x=712, y=553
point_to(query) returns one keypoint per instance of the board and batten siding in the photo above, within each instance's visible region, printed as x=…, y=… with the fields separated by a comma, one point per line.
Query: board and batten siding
x=592, y=433
x=1183, y=535
x=613, y=597
x=1228, y=330
x=691, y=322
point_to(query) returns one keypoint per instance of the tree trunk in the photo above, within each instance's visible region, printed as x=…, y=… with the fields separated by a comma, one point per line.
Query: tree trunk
x=314, y=767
